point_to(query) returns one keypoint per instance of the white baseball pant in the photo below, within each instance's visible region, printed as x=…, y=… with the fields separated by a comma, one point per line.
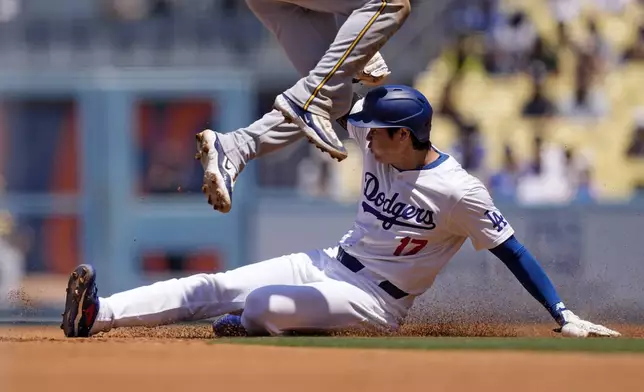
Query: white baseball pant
x=298, y=292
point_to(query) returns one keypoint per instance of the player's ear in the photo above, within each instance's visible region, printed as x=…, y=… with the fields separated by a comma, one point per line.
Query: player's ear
x=404, y=134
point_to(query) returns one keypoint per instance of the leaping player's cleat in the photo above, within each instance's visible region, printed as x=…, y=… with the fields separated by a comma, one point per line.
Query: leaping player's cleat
x=81, y=302
x=317, y=129
x=219, y=172
x=229, y=326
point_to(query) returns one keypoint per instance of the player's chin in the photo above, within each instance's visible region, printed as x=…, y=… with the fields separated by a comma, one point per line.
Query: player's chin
x=379, y=158
x=376, y=156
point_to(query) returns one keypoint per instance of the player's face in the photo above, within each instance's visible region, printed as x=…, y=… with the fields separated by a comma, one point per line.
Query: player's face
x=387, y=149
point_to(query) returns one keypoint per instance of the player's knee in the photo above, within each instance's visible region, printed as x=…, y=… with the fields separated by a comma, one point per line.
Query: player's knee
x=257, y=307
x=263, y=310
x=257, y=314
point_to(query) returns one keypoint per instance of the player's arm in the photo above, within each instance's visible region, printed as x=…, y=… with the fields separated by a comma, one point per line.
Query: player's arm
x=534, y=279
x=526, y=269
x=476, y=217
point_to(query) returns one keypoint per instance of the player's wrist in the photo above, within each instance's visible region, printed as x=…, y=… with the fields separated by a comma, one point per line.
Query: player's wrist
x=559, y=312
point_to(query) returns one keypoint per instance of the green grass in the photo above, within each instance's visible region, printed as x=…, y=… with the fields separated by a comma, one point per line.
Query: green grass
x=450, y=343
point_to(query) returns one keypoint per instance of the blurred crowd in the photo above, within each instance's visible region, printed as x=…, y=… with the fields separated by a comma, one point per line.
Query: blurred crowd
x=509, y=43
x=506, y=42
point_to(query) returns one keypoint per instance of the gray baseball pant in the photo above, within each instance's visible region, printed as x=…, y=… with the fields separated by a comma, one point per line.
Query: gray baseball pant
x=327, y=56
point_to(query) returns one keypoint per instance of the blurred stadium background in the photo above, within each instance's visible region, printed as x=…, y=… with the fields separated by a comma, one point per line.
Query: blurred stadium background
x=100, y=101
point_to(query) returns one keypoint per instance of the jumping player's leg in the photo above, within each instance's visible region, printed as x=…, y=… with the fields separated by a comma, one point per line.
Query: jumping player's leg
x=305, y=36
x=315, y=100
x=315, y=307
x=202, y=296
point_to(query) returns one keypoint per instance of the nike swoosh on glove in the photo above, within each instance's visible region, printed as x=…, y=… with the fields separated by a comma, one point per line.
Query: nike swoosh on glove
x=575, y=327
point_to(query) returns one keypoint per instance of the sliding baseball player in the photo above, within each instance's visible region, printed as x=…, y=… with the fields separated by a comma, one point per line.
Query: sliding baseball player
x=418, y=207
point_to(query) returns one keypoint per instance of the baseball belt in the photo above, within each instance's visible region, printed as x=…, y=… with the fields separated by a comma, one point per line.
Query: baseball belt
x=355, y=265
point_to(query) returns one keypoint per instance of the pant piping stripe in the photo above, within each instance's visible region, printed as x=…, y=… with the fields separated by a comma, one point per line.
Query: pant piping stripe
x=346, y=54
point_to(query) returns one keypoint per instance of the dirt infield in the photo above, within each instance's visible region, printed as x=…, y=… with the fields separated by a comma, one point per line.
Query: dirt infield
x=180, y=358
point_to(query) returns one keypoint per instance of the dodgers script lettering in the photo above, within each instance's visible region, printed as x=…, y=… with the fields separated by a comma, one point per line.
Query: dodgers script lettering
x=392, y=212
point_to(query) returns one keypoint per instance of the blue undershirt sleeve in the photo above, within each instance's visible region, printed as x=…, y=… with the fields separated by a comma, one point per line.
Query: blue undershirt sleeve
x=530, y=274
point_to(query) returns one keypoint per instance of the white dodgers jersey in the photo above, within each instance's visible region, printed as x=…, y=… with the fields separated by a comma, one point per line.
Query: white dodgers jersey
x=411, y=223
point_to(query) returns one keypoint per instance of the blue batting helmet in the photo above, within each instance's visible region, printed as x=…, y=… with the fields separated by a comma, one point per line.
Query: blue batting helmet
x=395, y=106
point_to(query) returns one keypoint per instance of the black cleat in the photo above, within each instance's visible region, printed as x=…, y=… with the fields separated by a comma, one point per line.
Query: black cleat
x=81, y=302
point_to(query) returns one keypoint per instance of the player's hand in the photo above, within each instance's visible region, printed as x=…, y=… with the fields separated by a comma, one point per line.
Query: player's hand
x=375, y=72
x=575, y=327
